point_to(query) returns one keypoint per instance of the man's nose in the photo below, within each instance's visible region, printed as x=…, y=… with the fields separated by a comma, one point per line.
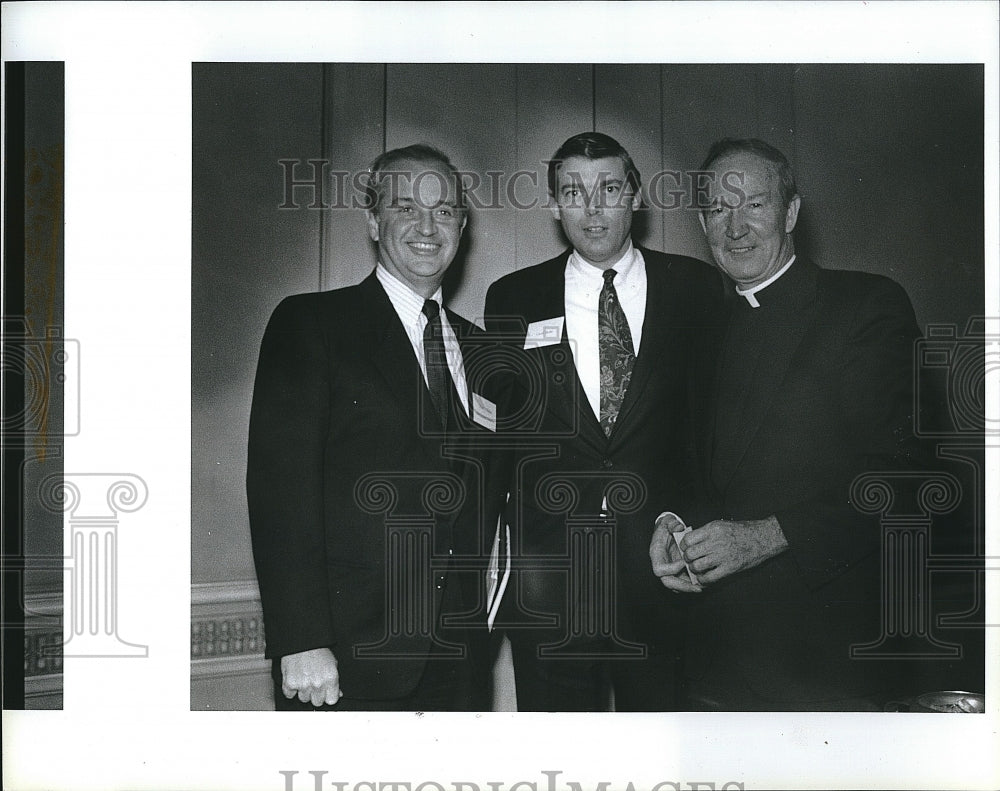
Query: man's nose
x=735, y=224
x=427, y=224
x=594, y=206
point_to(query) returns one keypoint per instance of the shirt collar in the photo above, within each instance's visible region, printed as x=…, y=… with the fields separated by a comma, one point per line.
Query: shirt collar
x=408, y=303
x=624, y=266
x=749, y=293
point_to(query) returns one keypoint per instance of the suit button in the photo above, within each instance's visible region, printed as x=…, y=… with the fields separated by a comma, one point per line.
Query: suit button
x=607, y=463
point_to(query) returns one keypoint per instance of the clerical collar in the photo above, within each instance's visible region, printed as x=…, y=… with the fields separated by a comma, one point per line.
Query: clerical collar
x=749, y=294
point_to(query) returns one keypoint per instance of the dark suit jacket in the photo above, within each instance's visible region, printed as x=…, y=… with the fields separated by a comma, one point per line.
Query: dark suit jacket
x=567, y=464
x=805, y=393
x=342, y=442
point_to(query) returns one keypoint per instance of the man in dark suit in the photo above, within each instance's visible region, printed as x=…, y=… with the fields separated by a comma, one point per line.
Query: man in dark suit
x=603, y=334
x=369, y=481
x=808, y=386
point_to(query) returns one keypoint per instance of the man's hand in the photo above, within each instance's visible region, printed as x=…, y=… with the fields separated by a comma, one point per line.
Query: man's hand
x=668, y=564
x=722, y=548
x=312, y=675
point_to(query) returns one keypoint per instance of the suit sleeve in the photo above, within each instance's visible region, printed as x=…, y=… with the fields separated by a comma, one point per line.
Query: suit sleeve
x=828, y=534
x=288, y=425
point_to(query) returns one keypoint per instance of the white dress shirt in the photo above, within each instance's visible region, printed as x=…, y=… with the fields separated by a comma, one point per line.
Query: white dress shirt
x=409, y=306
x=583, y=290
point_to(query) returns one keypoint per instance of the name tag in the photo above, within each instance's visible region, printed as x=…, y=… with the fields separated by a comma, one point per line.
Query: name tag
x=484, y=412
x=544, y=333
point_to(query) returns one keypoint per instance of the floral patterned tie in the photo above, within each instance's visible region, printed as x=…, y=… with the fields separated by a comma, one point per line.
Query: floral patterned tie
x=616, y=351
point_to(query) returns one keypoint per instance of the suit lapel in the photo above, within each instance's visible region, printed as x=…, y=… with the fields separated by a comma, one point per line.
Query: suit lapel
x=656, y=353
x=567, y=400
x=392, y=354
x=571, y=402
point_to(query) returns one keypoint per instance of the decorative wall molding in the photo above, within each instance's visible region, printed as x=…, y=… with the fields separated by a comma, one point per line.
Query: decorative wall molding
x=43, y=655
x=228, y=668
x=227, y=629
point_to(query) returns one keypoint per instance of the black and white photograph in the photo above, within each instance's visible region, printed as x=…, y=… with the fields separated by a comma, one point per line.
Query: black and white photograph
x=793, y=446
x=553, y=396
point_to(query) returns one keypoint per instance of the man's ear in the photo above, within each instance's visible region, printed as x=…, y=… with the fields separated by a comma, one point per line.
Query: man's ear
x=792, y=214
x=636, y=200
x=373, y=225
x=554, y=208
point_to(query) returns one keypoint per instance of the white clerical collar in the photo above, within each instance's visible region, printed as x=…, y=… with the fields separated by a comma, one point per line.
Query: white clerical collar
x=748, y=294
x=623, y=266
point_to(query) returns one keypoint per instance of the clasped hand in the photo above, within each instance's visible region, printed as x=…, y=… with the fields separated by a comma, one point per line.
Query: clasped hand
x=713, y=551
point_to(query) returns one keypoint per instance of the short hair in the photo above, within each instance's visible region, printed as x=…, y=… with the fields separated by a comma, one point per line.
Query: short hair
x=390, y=160
x=593, y=145
x=752, y=145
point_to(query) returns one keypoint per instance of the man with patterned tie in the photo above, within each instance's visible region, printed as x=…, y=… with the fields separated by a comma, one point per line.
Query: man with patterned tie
x=371, y=486
x=603, y=332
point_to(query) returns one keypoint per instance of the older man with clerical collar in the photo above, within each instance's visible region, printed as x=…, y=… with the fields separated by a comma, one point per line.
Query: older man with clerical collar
x=807, y=386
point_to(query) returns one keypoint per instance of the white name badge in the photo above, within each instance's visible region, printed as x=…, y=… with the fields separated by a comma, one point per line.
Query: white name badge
x=484, y=412
x=544, y=333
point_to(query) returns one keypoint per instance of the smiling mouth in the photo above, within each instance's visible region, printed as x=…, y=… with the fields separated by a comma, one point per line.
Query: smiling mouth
x=595, y=229
x=424, y=247
x=739, y=250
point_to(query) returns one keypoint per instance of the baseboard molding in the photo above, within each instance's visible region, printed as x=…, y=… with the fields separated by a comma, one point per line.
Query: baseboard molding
x=43, y=658
x=227, y=625
x=228, y=668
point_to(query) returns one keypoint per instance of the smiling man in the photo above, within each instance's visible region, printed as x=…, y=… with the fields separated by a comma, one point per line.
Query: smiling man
x=808, y=386
x=368, y=476
x=604, y=331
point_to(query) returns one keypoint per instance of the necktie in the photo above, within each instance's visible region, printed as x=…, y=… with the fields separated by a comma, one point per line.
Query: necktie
x=438, y=378
x=616, y=351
